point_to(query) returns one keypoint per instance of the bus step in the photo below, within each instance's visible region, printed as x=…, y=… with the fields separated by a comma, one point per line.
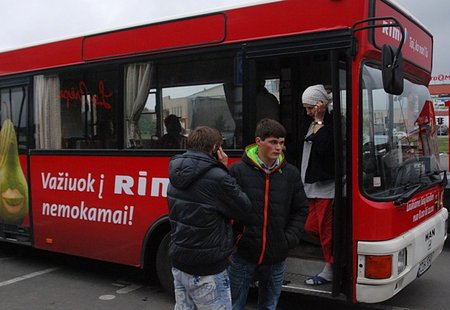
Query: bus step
x=294, y=282
x=304, y=266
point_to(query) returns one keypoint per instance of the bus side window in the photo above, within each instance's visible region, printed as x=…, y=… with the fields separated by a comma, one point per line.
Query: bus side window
x=14, y=106
x=210, y=97
x=88, y=109
x=140, y=117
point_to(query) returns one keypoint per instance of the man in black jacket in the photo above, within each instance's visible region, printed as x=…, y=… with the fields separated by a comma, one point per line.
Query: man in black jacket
x=276, y=224
x=202, y=198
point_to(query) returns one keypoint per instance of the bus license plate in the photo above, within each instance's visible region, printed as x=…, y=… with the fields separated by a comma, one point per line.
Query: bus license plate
x=424, y=265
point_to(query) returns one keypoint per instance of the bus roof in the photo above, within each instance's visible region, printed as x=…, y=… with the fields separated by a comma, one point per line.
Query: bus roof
x=152, y=20
x=239, y=23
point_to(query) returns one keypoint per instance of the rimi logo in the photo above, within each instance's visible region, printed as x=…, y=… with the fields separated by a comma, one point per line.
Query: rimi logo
x=393, y=32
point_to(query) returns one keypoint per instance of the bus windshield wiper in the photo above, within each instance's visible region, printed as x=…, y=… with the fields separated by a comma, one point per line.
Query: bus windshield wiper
x=407, y=195
x=434, y=177
x=412, y=188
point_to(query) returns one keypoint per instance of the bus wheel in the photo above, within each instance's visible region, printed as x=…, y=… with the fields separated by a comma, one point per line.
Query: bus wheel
x=164, y=265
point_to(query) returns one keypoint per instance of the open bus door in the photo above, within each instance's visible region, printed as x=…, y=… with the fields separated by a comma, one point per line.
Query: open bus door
x=285, y=77
x=15, y=219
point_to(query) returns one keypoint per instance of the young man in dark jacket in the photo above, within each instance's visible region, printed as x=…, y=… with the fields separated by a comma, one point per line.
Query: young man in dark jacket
x=203, y=197
x=276, y=224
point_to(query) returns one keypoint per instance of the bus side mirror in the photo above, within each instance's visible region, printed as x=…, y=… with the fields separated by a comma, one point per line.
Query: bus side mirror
x=392, y=70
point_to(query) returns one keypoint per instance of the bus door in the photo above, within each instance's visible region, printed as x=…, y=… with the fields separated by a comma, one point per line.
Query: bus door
x=15, y=223
x=275, y=84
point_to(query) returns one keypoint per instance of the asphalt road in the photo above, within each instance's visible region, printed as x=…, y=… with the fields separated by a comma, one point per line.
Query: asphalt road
x=31, y=279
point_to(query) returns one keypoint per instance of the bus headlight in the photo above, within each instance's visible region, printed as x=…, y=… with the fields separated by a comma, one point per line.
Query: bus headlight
x=401, y=261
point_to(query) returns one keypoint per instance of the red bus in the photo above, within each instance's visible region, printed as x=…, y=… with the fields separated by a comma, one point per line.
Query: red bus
x=84, y=172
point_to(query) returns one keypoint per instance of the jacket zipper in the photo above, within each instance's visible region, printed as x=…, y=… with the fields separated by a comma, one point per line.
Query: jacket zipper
x=239, y=236
x=265, y=219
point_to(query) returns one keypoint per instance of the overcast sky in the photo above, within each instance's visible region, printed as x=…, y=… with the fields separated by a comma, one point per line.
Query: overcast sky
x=25, y=22
x=434, y=15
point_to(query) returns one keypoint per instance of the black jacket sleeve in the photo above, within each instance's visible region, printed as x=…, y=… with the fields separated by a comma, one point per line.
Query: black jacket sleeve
x=237, y=202
x=323, y=139
x=298, y=213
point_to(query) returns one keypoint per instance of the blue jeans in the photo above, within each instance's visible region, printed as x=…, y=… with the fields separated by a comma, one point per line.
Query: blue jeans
x=270, y=279
x=202, y=292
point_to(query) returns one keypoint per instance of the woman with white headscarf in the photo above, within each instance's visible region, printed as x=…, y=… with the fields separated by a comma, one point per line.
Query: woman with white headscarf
x=317, y=172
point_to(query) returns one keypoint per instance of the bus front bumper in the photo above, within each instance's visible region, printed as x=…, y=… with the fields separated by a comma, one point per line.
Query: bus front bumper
x=412, y=254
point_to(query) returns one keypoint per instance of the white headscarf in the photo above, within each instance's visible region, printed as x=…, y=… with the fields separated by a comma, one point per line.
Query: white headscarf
x=316, y=93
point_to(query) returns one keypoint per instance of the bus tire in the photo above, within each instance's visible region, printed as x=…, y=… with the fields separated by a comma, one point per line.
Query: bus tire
x=164, y=265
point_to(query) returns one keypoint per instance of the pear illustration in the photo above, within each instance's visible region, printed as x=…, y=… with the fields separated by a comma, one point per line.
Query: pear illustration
x=13, y=185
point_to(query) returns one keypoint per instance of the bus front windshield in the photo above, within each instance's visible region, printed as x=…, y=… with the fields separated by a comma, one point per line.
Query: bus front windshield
x=398, y=150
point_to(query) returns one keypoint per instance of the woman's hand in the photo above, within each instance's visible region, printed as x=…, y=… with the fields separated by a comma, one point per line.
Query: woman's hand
x=319, y=111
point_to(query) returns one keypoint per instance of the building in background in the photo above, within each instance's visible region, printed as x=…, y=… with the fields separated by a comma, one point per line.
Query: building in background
x=440, y=93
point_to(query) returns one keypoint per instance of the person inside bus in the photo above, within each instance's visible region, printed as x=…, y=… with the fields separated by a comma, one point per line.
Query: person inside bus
x=105, y=128
x=267, y=105
x=317, y=171
x=276, y=225
x=202, y=198
x=173, y=139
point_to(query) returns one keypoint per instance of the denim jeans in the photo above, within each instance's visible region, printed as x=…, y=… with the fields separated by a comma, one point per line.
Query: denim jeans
x=202, y=292
x=270, y=279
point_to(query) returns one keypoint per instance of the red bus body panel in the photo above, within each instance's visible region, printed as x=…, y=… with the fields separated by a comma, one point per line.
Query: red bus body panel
x=383, y=221
x=202, y=31
x=46, y=56
x=417, y=46
x=97, y=206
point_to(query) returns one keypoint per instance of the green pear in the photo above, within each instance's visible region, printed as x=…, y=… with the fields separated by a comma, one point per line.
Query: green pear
x=13, y=185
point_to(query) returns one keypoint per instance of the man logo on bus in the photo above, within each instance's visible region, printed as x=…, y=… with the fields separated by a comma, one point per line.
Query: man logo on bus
x=13, y=185
x=429, y=237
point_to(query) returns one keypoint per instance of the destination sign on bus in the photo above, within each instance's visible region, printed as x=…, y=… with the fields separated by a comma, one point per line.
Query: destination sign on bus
x=417, y=45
